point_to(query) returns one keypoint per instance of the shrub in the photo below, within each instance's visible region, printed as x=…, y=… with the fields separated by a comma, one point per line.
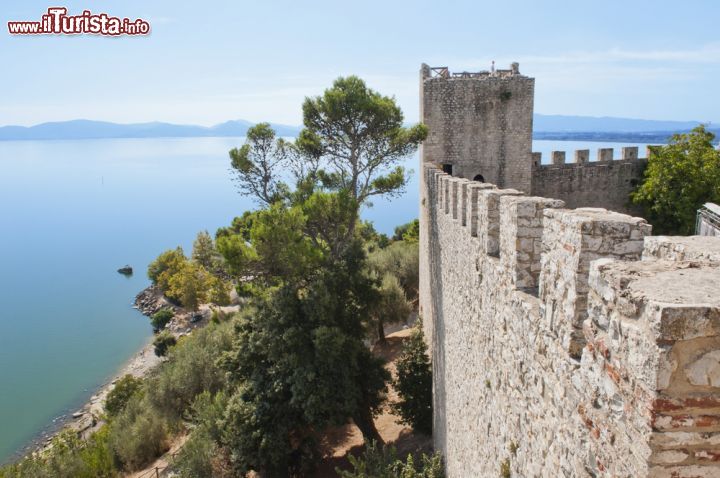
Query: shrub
x=680, y=177
x=165, y=266
x=414, y=383
x=409, y=232
x=163, y=341
x=191, y=369
x=68, y=457
x=119, y=396
x=200, y=457
x=400, y=259
x=161, y=318
x=382, y=462
x=138, y=435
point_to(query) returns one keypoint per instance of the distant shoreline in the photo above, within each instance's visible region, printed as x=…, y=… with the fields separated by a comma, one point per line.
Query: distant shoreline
x=661, y=137
x=554, y=127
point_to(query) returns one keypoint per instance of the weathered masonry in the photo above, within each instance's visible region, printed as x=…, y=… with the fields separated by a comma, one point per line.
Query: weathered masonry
x=481, y=128
x=566, y=342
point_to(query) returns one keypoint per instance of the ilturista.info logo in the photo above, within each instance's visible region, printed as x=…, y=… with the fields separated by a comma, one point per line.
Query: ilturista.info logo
x=57, y=22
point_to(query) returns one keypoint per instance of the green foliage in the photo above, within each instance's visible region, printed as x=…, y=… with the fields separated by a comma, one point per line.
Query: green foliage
x=240, y=226
x=393, y=306
x=163, y=341
x=414, y=383
x=304, y=268
x=401, y=260
x=161, y=318
x=191, y=369
x=256, y=163
x=138, y=435
x=68, y=457
x=189, y=282
x=201, y=456
x=372, y=239
x=680, y=177
x=409, y=232
x=382, y=462
x=316, y=371
x=289, y=243
x=120, y=395
x=205, y=253
x=360, y=135
x=190, y=285
x=166, y=266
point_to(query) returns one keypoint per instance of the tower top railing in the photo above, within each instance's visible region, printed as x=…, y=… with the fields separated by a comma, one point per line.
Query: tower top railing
x=445, y=73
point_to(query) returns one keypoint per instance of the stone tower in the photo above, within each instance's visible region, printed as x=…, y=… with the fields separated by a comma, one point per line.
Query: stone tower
x=480, y=124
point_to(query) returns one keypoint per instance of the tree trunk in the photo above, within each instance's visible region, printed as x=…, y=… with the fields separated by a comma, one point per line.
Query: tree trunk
x=364, y=421
x=381, y=332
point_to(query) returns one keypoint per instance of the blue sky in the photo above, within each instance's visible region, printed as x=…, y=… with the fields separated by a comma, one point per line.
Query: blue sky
x=207, y=62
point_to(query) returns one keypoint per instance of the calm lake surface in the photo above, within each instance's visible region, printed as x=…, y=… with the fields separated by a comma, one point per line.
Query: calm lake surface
x=71, y=214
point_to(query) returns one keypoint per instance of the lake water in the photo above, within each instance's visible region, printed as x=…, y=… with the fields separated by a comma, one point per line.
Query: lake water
x=71, y=214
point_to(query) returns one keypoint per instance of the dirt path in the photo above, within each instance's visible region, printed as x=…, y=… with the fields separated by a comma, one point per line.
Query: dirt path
x=156, y=468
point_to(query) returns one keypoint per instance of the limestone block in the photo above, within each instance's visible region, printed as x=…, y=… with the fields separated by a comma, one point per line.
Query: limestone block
x=630, y=152
x=605, y=154
x=582, y=156
x=681, y=248
x=558, y=157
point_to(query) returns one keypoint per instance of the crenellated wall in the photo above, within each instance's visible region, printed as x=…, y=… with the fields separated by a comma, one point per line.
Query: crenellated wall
x=480, y=126
x=479, y=123
x=566, y=342
x=605, y=182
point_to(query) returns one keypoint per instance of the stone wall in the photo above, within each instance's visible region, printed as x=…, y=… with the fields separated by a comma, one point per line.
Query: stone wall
x=480, y=123
x=566, y=342
x=606, y=182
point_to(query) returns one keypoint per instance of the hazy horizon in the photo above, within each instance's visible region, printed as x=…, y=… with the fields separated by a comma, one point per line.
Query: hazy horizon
x=617, y=59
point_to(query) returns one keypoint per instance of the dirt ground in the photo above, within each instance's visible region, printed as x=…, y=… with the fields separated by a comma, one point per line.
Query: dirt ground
x=342, y=441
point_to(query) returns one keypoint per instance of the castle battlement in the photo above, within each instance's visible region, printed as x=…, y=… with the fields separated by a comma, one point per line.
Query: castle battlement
x=567, y=342
x=480, y=128
x=582, y=156
x=444, y=73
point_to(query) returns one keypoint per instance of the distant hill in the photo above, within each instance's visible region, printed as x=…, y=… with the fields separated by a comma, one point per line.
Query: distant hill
x=560, y=123
x=555, y=127
x=87, y=129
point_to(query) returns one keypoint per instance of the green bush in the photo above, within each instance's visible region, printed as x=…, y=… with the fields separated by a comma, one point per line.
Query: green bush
x=166, y=266
x=680, y=177
x=191, y=369
x=69, y=457
x=118, y=397
x=163, y=341
x=414, y=383
x=138, y=435
x=161, y=318
x=401, y=259
x=382, y=462
x=201, y=457
x=409, y=232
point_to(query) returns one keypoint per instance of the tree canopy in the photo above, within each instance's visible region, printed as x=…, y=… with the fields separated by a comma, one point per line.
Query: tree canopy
x=680, y=177
x=359, y=135
x=258, y=163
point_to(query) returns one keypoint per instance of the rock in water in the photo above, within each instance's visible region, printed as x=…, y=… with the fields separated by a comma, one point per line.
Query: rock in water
x=127, y=270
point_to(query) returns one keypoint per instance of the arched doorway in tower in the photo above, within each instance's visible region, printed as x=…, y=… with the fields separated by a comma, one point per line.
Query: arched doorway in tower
x=479, y=178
